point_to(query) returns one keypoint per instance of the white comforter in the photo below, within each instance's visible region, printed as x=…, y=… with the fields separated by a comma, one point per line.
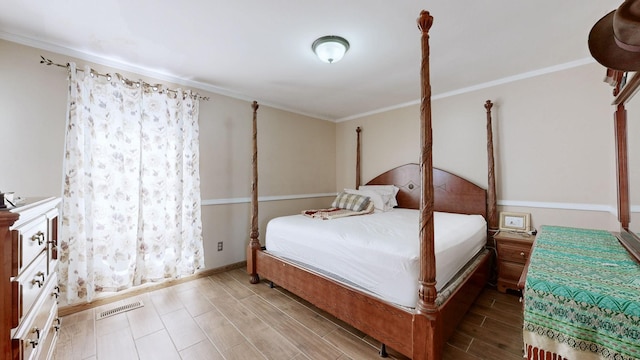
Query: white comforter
x=378, y=252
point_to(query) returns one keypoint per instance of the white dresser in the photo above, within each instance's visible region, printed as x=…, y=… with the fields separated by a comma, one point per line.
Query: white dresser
x=29, y=282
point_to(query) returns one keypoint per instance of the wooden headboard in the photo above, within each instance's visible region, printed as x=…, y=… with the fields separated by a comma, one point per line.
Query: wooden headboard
x=451, y=192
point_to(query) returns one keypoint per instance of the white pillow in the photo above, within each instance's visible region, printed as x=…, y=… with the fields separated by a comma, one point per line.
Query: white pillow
x=377, y=200
x=388, y=193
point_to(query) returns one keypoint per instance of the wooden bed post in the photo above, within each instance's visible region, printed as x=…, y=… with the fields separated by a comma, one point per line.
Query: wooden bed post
x=427, y=337
x=492, y=214
x=358, y=130
x=254, y=242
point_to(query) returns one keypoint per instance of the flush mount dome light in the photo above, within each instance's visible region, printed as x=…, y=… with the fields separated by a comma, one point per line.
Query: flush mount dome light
x=331, y=48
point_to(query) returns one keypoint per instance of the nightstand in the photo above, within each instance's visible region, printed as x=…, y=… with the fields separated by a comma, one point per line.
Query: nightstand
x=513, y=251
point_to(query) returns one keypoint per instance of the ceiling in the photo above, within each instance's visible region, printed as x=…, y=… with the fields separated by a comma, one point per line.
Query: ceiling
x=261, y=50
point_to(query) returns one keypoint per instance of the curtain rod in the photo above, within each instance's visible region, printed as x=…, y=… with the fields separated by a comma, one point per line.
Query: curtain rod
x=48, y=62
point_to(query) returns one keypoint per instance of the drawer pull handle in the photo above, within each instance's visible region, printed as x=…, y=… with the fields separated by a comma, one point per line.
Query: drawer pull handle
x=34, y=342
x=56, y=292
x=522, y=254
x=38, y=281
x=57, y=325
x=39, y=237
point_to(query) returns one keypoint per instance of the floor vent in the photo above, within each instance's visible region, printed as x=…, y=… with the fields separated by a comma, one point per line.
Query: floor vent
x=119, y=310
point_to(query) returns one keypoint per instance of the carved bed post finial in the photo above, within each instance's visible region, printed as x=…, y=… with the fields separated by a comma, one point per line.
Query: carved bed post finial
x=358, y=130
x=254, y=241
x=425, y=20
x=492, y=214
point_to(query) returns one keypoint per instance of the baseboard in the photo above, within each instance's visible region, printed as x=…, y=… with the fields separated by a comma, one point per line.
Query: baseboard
x=72, y=309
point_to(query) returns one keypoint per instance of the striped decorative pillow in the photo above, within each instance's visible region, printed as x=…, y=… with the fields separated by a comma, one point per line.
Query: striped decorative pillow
x=351, y=201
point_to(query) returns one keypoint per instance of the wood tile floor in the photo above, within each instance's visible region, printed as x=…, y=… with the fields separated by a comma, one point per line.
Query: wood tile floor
x=224, y=317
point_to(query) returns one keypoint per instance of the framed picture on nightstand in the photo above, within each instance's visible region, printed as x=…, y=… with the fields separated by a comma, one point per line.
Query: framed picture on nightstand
x=513, y=221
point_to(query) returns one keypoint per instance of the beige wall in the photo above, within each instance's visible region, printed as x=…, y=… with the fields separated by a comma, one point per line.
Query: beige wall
x=33, y=102
x=388, y=139
x=554, y=148
x=554, y=145
x=296, y=153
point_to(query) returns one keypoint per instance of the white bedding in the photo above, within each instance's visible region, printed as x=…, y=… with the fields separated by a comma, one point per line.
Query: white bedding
x=378, y=252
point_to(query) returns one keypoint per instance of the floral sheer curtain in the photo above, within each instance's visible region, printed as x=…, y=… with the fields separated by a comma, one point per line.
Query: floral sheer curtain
x=131, y=197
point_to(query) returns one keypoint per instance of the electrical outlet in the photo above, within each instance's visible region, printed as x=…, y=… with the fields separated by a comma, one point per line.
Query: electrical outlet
x=219, y=245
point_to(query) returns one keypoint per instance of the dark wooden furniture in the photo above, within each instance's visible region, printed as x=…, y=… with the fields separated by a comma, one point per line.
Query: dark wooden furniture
x=420, y=332
x=523, y=277
x=28, y=280
x=623, y=92
x=513, y=251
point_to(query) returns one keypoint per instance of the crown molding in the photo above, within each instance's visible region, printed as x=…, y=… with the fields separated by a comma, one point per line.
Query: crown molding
x=506, y=80
x=152, y=73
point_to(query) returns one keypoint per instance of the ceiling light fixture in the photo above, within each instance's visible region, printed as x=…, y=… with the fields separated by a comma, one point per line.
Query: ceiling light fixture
x=331, y=48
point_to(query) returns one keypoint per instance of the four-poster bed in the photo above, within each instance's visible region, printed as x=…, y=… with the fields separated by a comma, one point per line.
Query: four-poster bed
x=419, y=331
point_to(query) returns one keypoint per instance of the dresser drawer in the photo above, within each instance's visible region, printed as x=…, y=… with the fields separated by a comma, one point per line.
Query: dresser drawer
x=510, y=270
x=28, y=241
x=36, y=334
x=48, y=344
x=514, y=252
x=28, y=286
